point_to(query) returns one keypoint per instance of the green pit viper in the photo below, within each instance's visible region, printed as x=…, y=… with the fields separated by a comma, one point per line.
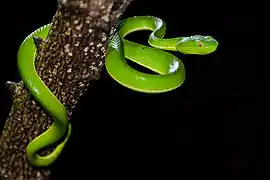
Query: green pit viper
x=170, y=73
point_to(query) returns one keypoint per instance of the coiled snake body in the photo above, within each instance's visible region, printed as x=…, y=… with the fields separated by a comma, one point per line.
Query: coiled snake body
x=170, y=69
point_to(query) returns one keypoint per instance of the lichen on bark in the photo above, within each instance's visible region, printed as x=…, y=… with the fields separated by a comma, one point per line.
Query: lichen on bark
x=69, y=59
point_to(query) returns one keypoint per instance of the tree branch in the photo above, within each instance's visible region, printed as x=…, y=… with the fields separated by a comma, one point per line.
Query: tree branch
x=69, y=59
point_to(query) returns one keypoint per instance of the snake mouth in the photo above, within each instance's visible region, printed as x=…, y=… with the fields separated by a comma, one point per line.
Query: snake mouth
x=198, y=51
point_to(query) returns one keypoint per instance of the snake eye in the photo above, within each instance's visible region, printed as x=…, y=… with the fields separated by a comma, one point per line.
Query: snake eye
x=200, y=44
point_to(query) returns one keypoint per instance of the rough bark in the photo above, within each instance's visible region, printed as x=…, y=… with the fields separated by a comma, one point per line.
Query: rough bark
x=69, y=59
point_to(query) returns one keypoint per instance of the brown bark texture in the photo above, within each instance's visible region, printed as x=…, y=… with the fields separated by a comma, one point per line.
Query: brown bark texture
x=69, y=59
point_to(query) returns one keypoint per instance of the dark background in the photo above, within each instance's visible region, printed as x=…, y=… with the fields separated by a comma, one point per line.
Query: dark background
x=206, y=129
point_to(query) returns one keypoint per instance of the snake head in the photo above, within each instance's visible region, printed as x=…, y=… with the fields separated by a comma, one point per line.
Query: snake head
x=197, y=44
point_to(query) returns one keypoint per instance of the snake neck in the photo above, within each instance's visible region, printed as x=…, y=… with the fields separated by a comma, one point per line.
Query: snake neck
x=154, y=24
x=164, y=44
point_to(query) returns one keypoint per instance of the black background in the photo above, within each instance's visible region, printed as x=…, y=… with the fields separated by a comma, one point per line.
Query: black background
x=206, y=129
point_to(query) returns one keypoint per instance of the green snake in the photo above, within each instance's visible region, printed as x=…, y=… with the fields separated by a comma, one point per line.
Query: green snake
x=170, y=73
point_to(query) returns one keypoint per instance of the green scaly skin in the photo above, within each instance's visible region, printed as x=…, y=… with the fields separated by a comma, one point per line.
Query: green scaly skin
x=26, y=66
x=170, y=69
